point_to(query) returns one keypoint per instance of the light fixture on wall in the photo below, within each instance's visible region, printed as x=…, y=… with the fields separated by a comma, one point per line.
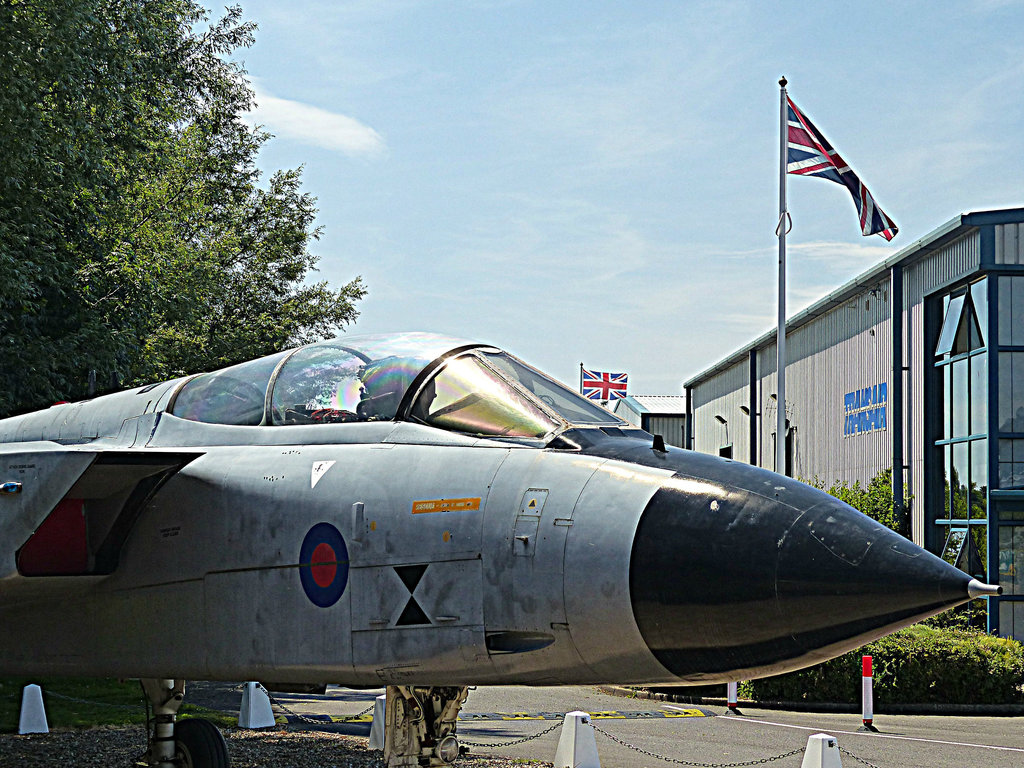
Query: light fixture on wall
x=746, y=411
x=724, y=422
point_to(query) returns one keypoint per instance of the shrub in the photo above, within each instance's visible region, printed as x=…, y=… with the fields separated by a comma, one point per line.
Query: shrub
x=875, y=501
x=919, y=664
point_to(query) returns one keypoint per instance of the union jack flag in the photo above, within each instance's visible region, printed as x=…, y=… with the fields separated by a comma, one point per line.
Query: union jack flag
x=810, y=154
x=601, y=385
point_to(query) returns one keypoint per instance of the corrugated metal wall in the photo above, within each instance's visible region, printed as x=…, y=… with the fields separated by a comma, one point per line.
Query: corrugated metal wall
x=623, y=410
x=722, y=396
x=669, y=427
x=1009, y=244
x=846, y=349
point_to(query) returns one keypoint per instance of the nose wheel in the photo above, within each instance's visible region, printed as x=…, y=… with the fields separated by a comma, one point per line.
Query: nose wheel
x=200, y=744
x=193, y=743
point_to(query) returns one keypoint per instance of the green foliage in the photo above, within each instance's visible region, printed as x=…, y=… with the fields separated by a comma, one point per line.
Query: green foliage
x=875, y=501
x=136, y=238
x=919, y=664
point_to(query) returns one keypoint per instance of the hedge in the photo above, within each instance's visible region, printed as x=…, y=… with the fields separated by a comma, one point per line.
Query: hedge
x=916, y=665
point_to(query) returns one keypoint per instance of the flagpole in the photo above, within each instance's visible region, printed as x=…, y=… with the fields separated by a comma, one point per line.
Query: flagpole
x=781, y=230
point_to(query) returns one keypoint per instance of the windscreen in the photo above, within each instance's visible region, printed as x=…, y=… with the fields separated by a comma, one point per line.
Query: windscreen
x=328, y=384
x=469, y=396
x=492, y=393
x=571, y=406
x=234, y=395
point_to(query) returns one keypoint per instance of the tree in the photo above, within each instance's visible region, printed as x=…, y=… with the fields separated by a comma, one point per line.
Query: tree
x=875, y=501
x=136, y=239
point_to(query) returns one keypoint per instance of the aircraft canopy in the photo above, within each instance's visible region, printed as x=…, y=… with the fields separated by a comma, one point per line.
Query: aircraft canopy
x=436, y=380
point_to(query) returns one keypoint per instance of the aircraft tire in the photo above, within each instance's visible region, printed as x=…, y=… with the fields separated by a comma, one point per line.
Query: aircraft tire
x=201, y=744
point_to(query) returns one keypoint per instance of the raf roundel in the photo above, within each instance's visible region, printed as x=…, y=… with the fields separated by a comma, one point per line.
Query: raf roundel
x=323, y=565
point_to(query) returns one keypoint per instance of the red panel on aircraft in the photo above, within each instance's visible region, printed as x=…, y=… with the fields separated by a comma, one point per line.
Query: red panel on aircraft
x=58, y=547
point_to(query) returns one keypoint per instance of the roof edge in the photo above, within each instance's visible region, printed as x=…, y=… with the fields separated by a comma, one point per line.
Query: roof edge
x=952, y=229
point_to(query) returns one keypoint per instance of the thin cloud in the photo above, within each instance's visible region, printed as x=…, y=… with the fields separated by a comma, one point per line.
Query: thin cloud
x=821, y=251
x=863, y=254
x=294, y=120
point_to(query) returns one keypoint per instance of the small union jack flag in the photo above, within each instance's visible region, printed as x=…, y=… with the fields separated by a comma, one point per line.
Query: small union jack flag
x=810, y=154
x=601, y=385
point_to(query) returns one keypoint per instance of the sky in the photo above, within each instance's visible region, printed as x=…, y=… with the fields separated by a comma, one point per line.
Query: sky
x=597, y=182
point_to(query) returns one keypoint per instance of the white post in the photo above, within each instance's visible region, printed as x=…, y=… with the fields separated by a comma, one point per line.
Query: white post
x=867, y=695
x=577, y=747
x=822, y=752
x=255, y=711
x=33, y=714
x=377, y=728
x=732, y=691
x=780, y=369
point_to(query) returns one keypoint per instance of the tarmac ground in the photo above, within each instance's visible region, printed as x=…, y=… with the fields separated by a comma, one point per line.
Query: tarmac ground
x=636, y=733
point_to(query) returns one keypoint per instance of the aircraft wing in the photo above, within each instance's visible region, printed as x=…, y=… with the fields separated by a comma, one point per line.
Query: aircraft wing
x=67, y=510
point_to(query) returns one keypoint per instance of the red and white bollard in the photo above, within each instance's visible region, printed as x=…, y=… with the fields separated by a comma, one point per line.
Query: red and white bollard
x=867, y=696
x=732, y=691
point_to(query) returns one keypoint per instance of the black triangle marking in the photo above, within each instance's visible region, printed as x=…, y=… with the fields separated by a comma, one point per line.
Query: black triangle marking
x=412, y=614
x=411, y=575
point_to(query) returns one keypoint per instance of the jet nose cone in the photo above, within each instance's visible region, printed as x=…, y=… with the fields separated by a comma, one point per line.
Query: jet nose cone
x=743, y=570
x=844, y=579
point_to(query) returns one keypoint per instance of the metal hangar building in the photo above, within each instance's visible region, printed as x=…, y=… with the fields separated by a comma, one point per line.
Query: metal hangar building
x=916, y=365
x=664, y=415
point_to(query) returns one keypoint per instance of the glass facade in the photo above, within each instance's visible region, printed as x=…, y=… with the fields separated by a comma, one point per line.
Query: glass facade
x=1011, y=559
x=1008, y=497
x=962, y=445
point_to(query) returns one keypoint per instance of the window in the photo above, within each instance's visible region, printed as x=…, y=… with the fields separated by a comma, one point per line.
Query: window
x=965, y=548
x=319, y=385
x=1011, y=310
x=1011, y=463
x=1011, y=391
x=235, y=395
x=469, y=396
x=1011, y=560
x=1010, y=402
x=950, y=325
x=961, y=371
x=1011, y=619
x=570, y=405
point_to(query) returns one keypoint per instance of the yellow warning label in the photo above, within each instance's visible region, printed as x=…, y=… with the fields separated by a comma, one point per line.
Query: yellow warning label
x=445, y=505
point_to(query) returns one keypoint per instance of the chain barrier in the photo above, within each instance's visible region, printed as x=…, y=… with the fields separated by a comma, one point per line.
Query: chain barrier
x=313, y=720
x=642, y=751
x=848, y=753
x=87, y=701
x=522, y=740
x=493, y=745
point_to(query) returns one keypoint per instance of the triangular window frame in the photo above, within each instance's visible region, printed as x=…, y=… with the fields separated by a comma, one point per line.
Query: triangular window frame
x=950, y=325
x=955, y=337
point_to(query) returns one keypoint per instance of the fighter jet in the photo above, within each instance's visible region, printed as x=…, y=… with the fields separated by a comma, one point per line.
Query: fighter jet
x=423, y=513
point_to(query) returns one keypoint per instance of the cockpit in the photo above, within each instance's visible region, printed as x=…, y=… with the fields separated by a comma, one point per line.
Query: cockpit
x=426, y=378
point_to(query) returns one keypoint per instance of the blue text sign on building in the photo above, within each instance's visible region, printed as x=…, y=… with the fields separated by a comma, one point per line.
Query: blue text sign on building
x=864, y=409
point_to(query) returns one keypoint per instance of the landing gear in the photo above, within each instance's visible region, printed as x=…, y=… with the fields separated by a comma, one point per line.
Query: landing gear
x=193, y=743
x=419, y=726
x=201, y=744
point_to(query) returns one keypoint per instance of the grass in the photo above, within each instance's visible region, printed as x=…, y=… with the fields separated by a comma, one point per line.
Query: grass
x=88, y=702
